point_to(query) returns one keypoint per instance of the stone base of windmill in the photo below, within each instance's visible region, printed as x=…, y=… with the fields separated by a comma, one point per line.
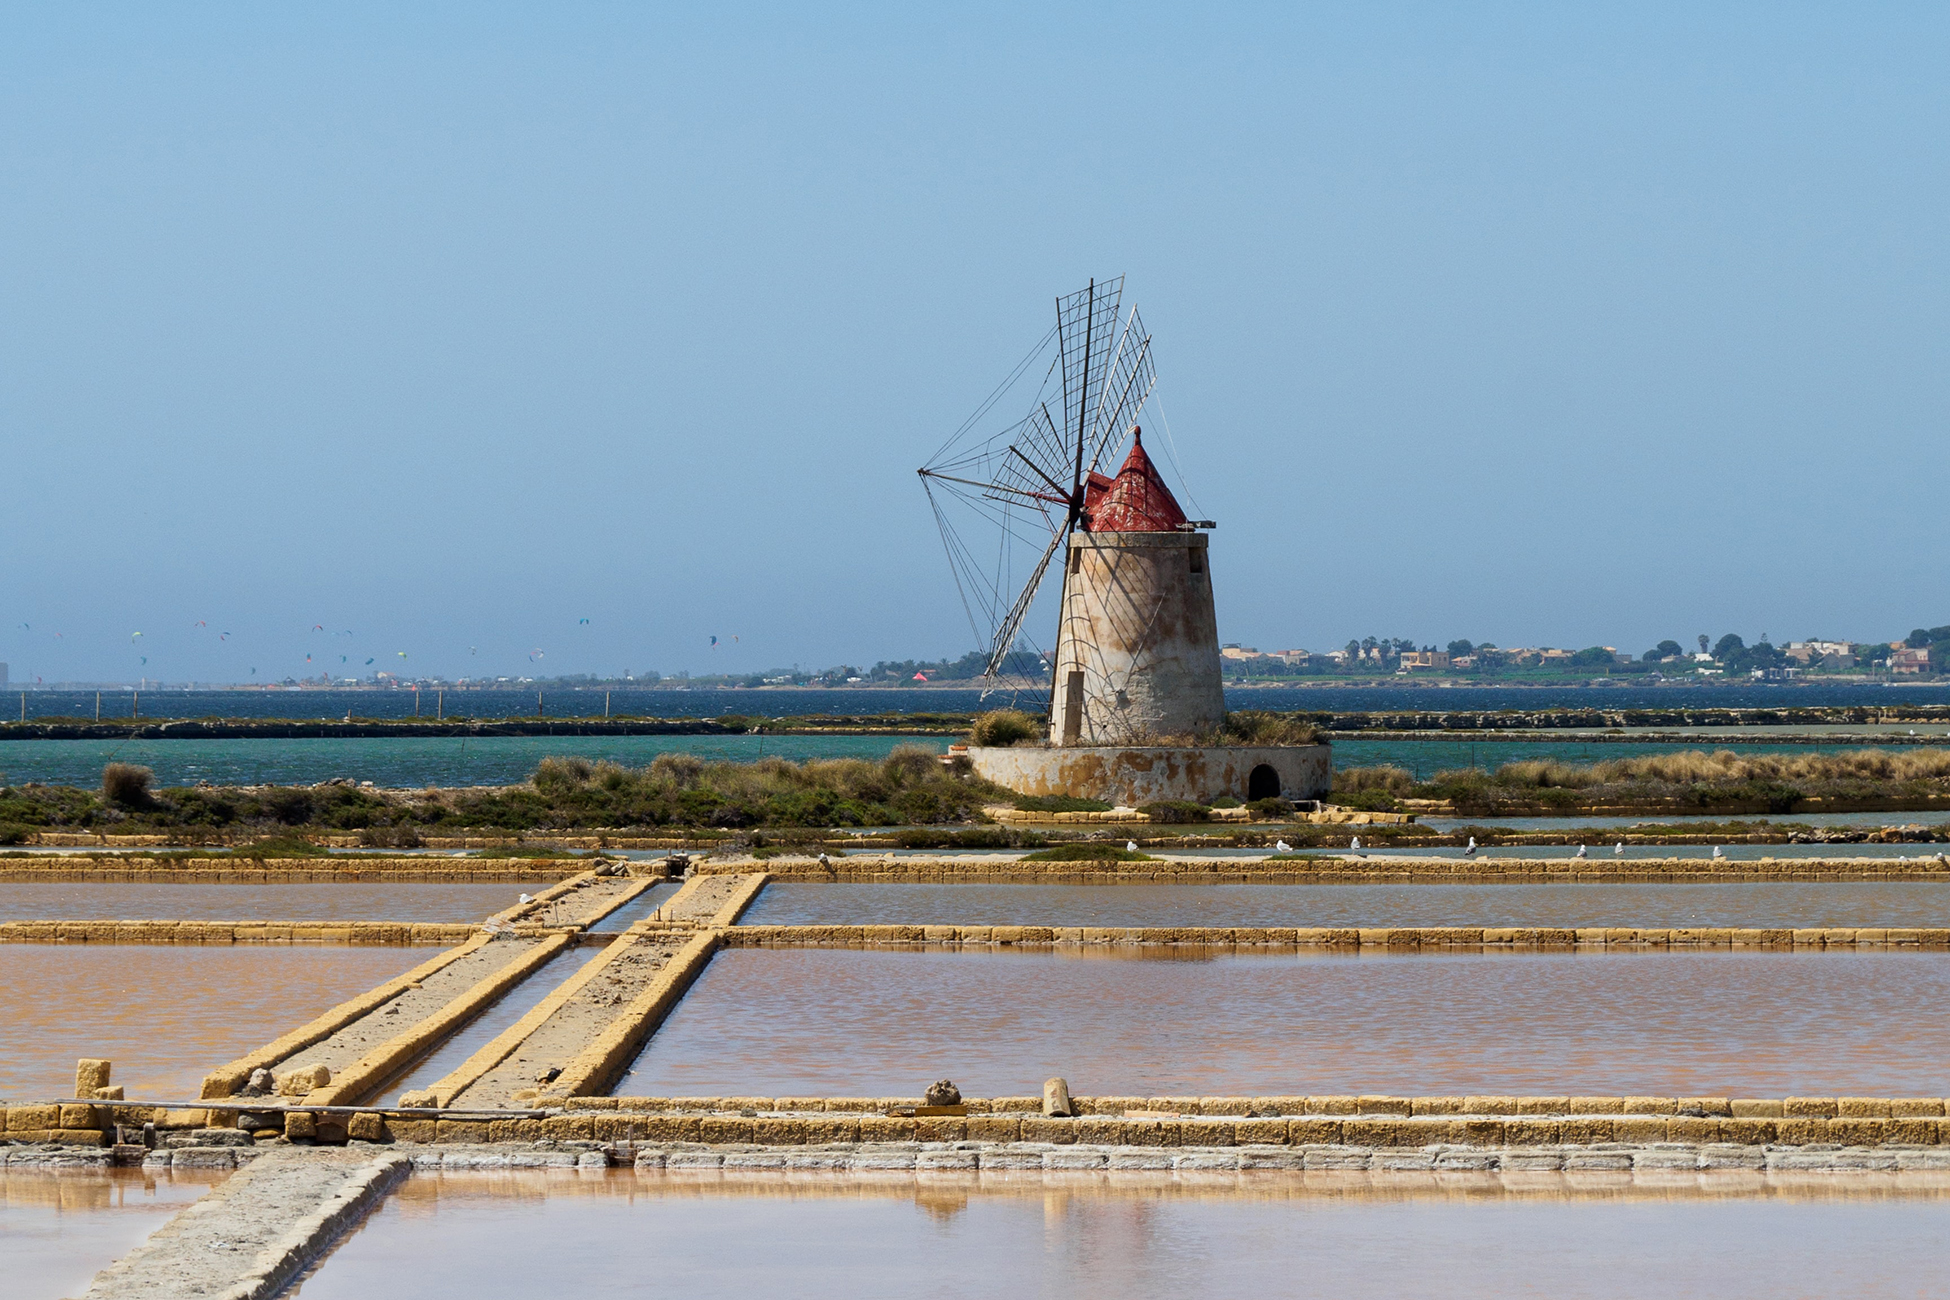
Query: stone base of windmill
x=1132, y=776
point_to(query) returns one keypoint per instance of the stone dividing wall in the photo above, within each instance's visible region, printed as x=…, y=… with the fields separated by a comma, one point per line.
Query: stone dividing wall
x=1334, y=870
x=1135, y=776
x=130, y=869
x=1583, y=938
x=232, y=932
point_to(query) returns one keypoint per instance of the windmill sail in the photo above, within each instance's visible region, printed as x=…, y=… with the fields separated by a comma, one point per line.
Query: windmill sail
x=1025, y=483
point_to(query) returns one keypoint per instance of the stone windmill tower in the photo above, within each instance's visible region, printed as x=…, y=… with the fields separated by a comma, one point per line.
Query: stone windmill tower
x=1137, y=639
x=1136, y=697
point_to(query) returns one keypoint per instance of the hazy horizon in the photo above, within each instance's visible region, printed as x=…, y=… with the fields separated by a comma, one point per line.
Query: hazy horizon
x=562, y=340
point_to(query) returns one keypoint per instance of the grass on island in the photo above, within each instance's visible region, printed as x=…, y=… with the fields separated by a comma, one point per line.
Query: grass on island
x=1689, y=779
x=1088, y=852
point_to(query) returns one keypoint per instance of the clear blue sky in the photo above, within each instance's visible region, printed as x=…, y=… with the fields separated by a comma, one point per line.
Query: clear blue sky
x=452, y=328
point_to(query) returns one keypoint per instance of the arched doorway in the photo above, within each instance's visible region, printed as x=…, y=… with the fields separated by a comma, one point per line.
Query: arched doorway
x=1263, y=783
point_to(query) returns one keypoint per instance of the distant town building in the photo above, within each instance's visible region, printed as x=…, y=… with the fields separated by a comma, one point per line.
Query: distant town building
x=1908, y=660
x=1414, y=659
x=1233, y=650
x=1832, y=654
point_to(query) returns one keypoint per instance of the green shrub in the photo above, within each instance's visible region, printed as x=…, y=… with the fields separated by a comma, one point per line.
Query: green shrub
x=11, y=833
x=1089, y=852
x=1225, y=801
x=127, y=784
x=1269, y=808
x=1259, y=727
x=1179, y=811
x=1002, y=727
x=1365, y=800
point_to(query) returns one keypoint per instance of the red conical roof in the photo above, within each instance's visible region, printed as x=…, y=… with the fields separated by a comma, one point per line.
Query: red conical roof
x=1136, y=501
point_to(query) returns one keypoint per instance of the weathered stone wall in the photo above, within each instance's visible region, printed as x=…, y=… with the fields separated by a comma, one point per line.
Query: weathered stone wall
x=1138, y=637
x=1135, y=776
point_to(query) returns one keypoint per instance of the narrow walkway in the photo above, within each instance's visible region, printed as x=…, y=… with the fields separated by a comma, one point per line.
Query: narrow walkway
x=252, y=1235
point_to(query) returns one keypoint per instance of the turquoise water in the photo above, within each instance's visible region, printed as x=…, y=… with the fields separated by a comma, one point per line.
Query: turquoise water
x=403, y=761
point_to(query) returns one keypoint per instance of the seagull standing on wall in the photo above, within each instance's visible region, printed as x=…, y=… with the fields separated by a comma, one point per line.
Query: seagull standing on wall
x=1281, y=846
x=1470, y=852
x=1580, y=850
x=1618, y=849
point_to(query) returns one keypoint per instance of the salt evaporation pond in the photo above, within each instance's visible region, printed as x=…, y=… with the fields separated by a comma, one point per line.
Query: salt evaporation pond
x=1204, y=1022
x=1349, y=1236
x=165, y=1016
x=1770, y=904
x=58, y=1228
x=417, y=901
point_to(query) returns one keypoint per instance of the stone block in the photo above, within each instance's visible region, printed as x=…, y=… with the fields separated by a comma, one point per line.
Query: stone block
x=1755, y=1108
x=1281, y=1105
x=298, y=1082
x=1597, y=1106
x=1332, y=1106
x=1483, y=1132
x=1036, y=1128
x=1176, y=1105
x=1314, y=1130
x=996, y=1128
x=1225, y=1106
x=1586, y=1130
x=1912, y=1132
x=886, y=1128
x=1214, y=1132
x=81, y=1117
x=1437, y=1106
x=1543, y=1105
x=1153, y=1133
x=412, y=1130
x=1638, y=1128
x=1691, y=1128
x=1804, y=1131
x=513, y=1130
x=111, y=1093
x=1489, y=1105
x=941, y=1128
x=1388, y=1132
x=779, y=1132
x=1378, y=1105
x=1858, y=1132
x=1862, y=1107
x=90, y=1074
x=1808, y=1107
x=459, y=1130
x=1255, y=1132
x=672, y=1128
x=32, y=1117
x=1914, y=1107
x=1651, y=1105
x=300, y=1124
x=1709, y=1105
x=1533, y=1131
x=1750, y=1130
x=79, y=1137
x=720, y=1130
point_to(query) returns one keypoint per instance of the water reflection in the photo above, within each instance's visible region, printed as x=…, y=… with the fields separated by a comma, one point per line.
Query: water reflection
x=59, y=1227
x=1344, y=1235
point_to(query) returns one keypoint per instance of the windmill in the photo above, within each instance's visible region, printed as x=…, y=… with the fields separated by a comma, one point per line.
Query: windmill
x=1137, y=651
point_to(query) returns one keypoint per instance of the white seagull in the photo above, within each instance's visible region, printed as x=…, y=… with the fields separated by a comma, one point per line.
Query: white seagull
x=1618, y=849
x=1716, y=851
x=526, y=899
x=1281, y=846
x=1470, y=852
x=1130, y=846
x=1580, y=850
